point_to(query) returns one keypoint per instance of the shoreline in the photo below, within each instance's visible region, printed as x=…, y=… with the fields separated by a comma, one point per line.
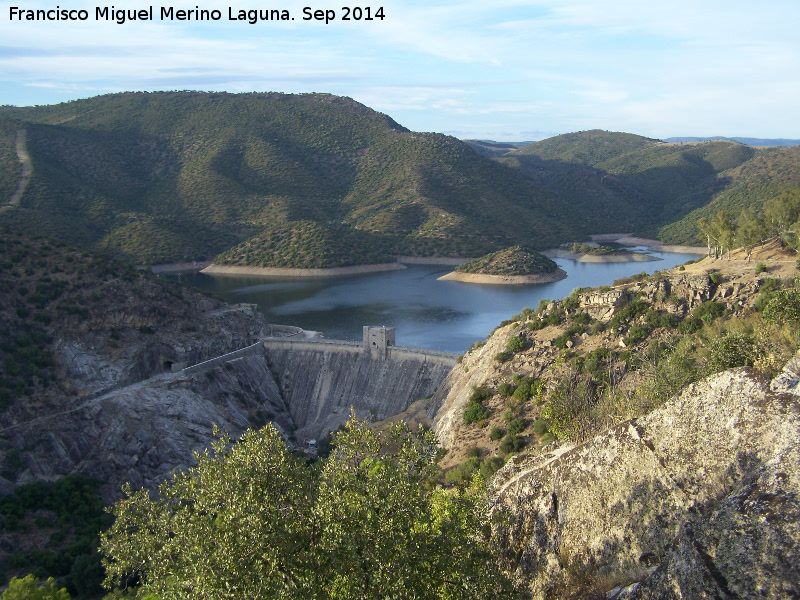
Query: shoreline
x=600, y=258
x=432, y=260
x=621, y=238
x=556, y=275
x=300, y=273
x=180, y=267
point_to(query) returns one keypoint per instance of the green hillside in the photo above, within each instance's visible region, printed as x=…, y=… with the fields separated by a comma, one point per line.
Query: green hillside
x=586, y=147
x=305, y=180
x=769, y=173
x=625, y=182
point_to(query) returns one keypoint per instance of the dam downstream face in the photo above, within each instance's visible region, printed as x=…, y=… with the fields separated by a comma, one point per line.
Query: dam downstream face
x=320, y=383
x=439, y=315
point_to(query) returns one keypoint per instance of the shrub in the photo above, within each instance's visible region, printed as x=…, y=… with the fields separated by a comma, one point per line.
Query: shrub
x=516, y=426
x=540, y=427
x=597, y=327
x=512, y=443
x=462, y=473
x=542, y=306
x=475, y=411
x=547, y=438
x=505, y=388
x=730, y=350
x=783, y=306
x=761, y=268
x=496, y=433
x=515, y=344
x=635, y=335
x=715, y=278
x=490, y=466
x=708, y=311
x=503, y=356
x=581, y=318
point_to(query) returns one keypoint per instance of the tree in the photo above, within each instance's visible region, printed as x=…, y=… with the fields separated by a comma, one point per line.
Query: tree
x=252, y=521
x=26, y=589
x=750, y=231
x=783, y=211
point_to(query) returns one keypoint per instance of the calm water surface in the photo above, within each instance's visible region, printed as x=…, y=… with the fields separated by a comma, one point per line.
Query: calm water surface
x=441, y=315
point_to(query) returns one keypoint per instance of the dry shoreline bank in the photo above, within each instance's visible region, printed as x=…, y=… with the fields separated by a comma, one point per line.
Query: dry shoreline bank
x=556, y=275
x=282, y=272
x=620, y=238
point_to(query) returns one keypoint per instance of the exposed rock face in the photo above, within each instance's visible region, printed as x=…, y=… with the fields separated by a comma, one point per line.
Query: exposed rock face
x=602, y=305
x=700, y=498
x=142, y=432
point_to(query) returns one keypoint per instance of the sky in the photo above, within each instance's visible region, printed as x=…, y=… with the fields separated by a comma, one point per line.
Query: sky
x=507, y=70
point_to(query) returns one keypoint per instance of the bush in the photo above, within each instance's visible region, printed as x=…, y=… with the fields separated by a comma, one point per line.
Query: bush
x=597, y=327
x=496, y=433
x=730, y=350
x=581, y=318
x=505, y=388
x=708, y=311
x=552, y=319
x=635, y=335
x=490, y=466
x=515, y=344
x=715, y=278
x=512, y=443
x=516, y=426
x=503, y=356
x=540, y=427
x=761, y=268
x=475, y=411
x=783, y=306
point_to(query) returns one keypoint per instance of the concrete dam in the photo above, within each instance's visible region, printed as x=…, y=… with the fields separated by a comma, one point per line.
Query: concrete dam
x=320, y=380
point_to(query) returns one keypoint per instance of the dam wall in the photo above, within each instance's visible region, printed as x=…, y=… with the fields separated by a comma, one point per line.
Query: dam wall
x=321, y=379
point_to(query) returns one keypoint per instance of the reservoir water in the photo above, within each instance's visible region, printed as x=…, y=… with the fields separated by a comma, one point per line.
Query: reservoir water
x=440, y=315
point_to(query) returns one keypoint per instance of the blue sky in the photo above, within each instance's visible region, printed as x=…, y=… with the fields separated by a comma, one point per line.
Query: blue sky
x=504, y=70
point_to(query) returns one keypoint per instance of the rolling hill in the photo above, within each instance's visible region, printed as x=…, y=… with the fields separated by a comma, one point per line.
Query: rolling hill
x=309, y=180
x=655, y=188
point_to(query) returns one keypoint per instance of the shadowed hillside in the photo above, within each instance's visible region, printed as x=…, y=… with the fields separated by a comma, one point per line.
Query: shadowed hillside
x=628, y=181
x=309, y=180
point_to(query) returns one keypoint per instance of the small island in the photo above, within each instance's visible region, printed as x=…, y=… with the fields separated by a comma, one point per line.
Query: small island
x=512, y=266
x=597, y=253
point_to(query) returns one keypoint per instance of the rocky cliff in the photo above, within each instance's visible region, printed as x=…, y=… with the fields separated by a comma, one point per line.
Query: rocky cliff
x=698, y=499
x=697, y=495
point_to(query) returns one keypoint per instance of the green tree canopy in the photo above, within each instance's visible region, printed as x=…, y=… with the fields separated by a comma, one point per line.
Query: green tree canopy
x=252, y=521
x=26, y=589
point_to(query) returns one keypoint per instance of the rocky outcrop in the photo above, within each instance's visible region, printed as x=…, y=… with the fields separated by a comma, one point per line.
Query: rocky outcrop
x=602, y=305
x=140, y=433
x=700, y=498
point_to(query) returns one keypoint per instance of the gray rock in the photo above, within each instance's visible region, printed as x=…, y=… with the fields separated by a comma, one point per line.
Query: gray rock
x=705, y=488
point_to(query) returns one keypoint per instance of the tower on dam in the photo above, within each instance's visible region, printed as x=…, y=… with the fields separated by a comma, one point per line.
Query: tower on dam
x=377, y=339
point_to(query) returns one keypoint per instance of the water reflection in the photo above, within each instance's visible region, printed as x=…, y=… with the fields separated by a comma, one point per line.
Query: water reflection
x=442, y=315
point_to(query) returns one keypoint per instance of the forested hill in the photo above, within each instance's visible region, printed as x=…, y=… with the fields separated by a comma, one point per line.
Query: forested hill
x=655, y=188
x=309, y=180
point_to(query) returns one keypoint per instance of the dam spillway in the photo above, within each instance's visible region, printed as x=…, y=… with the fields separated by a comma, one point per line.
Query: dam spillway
x=320, y=380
